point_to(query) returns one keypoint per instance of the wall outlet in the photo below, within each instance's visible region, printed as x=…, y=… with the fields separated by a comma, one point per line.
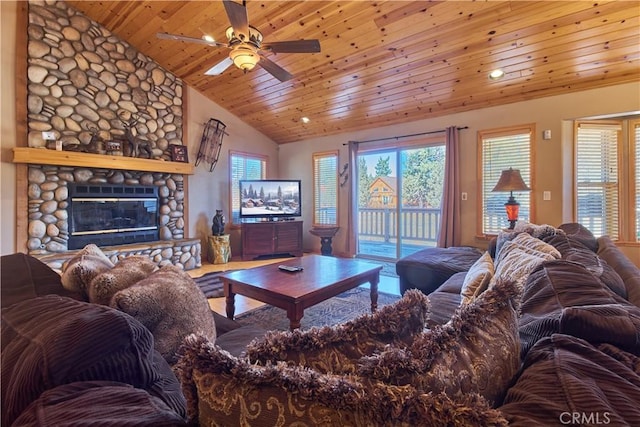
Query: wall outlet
x=48, y=136
x=464, y=195
x=546, y=195
x=546, y=134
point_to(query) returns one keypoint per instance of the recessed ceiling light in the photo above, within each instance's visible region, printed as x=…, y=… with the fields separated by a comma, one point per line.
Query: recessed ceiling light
x=305, y=120
x=496, y=74
x=208, y=38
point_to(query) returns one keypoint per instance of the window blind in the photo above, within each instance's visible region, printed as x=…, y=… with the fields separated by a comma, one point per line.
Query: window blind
x=325, y=189
x=597, y=190
x=243, y=166
x=502, y=152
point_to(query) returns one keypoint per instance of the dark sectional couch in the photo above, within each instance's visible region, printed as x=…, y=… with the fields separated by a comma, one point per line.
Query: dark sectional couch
x=578, y=323
x=554, y=339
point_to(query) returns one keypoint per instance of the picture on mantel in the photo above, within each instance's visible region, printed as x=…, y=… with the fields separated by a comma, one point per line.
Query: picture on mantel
x=179, y=153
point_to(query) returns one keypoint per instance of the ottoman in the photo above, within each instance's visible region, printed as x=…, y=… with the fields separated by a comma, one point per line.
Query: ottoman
x=429, y=268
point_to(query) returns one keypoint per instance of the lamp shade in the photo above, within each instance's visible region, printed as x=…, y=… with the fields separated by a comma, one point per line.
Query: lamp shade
x=511, y=180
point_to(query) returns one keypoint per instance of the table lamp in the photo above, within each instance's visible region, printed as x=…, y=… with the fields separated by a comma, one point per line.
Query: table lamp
x=511, y=180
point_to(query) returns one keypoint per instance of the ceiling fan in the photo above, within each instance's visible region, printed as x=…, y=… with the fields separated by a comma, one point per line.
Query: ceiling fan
x=246, y=45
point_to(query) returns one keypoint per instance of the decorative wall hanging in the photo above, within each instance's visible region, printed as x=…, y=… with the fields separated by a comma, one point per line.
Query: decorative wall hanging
x=179, y=153
x=211, y=143
x=344, y=175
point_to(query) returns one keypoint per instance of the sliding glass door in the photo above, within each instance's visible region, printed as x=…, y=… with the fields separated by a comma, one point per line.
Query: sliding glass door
x=399, y=199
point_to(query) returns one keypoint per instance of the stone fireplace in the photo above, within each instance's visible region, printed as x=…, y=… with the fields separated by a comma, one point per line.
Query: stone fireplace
x=89, y=90
x=51, y=228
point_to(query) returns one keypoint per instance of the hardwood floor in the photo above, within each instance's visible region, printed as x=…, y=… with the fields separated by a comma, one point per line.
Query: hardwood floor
x=389, y=285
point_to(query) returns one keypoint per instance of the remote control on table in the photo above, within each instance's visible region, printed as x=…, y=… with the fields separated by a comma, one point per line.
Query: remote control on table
x=290, y=269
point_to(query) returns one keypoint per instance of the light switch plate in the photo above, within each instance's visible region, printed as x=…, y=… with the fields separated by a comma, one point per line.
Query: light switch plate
x=464, y=195
x=546, y=195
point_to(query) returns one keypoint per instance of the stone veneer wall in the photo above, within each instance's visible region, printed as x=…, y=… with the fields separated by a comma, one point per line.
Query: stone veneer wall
x=83, y=79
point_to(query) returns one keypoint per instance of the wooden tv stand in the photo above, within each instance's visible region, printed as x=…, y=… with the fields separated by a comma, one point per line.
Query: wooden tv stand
x=271, y=238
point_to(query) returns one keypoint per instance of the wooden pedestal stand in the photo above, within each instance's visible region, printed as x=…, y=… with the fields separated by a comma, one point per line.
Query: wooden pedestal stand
x=219, y=250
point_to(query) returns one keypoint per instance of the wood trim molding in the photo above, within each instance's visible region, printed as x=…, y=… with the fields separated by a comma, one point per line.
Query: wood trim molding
x=42, y=156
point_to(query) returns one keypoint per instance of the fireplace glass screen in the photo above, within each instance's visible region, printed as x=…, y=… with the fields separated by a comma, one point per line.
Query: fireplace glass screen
x=112, y=215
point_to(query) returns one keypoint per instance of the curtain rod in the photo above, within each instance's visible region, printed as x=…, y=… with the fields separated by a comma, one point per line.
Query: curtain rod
x=406, y=136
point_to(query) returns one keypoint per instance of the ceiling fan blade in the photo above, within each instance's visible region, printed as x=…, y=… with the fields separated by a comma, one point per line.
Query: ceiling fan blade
x=168, y=36
x=274, y=69
x=219, y=67
x=293, y=46
x=238, y=17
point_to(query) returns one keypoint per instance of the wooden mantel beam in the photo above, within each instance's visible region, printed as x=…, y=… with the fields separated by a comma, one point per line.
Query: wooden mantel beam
x=42, y=156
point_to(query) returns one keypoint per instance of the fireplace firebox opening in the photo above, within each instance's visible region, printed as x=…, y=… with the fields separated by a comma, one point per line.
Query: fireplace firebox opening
x=109, y=215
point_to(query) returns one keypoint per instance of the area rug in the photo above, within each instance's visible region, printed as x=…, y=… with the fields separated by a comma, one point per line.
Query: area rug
x=211, y=284
x=339, y=309
x=388, y=269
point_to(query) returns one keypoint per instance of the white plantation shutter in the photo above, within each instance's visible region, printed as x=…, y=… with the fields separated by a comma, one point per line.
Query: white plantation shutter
x=499, y=152
x=597, y=189
x=243, y=166
x=325, y=188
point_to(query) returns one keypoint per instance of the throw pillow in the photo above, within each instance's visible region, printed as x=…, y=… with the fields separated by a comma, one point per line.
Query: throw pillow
x=126, y=272
x=598, y=267
x=550, y=289
x=171, y=305
x=580, y=233
x=224, y=390
x=477, y=279
x=516, y=263
x=627, y=270
x=99, y=403
x=477, y=351
x=541, y=231
x=80, y=270
x=528, y=241
x=24, y=276
x=524, y=244
x=563, y=376
x=337, y=348
x=52, y=340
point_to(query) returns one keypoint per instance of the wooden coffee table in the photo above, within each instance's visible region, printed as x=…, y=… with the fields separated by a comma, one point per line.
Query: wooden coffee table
x=322, y=277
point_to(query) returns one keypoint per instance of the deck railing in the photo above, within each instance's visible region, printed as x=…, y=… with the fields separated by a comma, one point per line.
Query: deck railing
x=417, y=224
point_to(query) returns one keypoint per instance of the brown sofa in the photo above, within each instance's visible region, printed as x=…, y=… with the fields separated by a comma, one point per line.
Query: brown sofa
x=549, y=342
x=66, y=360
x=579, y=329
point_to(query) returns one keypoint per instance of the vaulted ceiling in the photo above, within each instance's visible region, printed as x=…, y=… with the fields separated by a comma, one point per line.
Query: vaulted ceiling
x=386, y=62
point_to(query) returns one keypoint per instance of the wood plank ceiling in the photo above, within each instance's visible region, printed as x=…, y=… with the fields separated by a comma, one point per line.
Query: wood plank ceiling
x=387, y=62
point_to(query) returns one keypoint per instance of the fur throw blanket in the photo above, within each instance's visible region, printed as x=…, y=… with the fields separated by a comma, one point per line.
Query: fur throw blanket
x=170, y=304
x=126, y=273
x=165, y=300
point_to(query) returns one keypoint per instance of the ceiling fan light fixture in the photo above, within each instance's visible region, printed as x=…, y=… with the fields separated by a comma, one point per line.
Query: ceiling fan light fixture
x=244, y=57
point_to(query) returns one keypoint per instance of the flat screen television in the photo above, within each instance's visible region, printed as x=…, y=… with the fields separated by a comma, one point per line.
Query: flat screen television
x=270, y=198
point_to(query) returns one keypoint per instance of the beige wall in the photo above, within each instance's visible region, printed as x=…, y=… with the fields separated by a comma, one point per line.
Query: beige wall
x=552, y=165
x=209, y=191
x=8, y=20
